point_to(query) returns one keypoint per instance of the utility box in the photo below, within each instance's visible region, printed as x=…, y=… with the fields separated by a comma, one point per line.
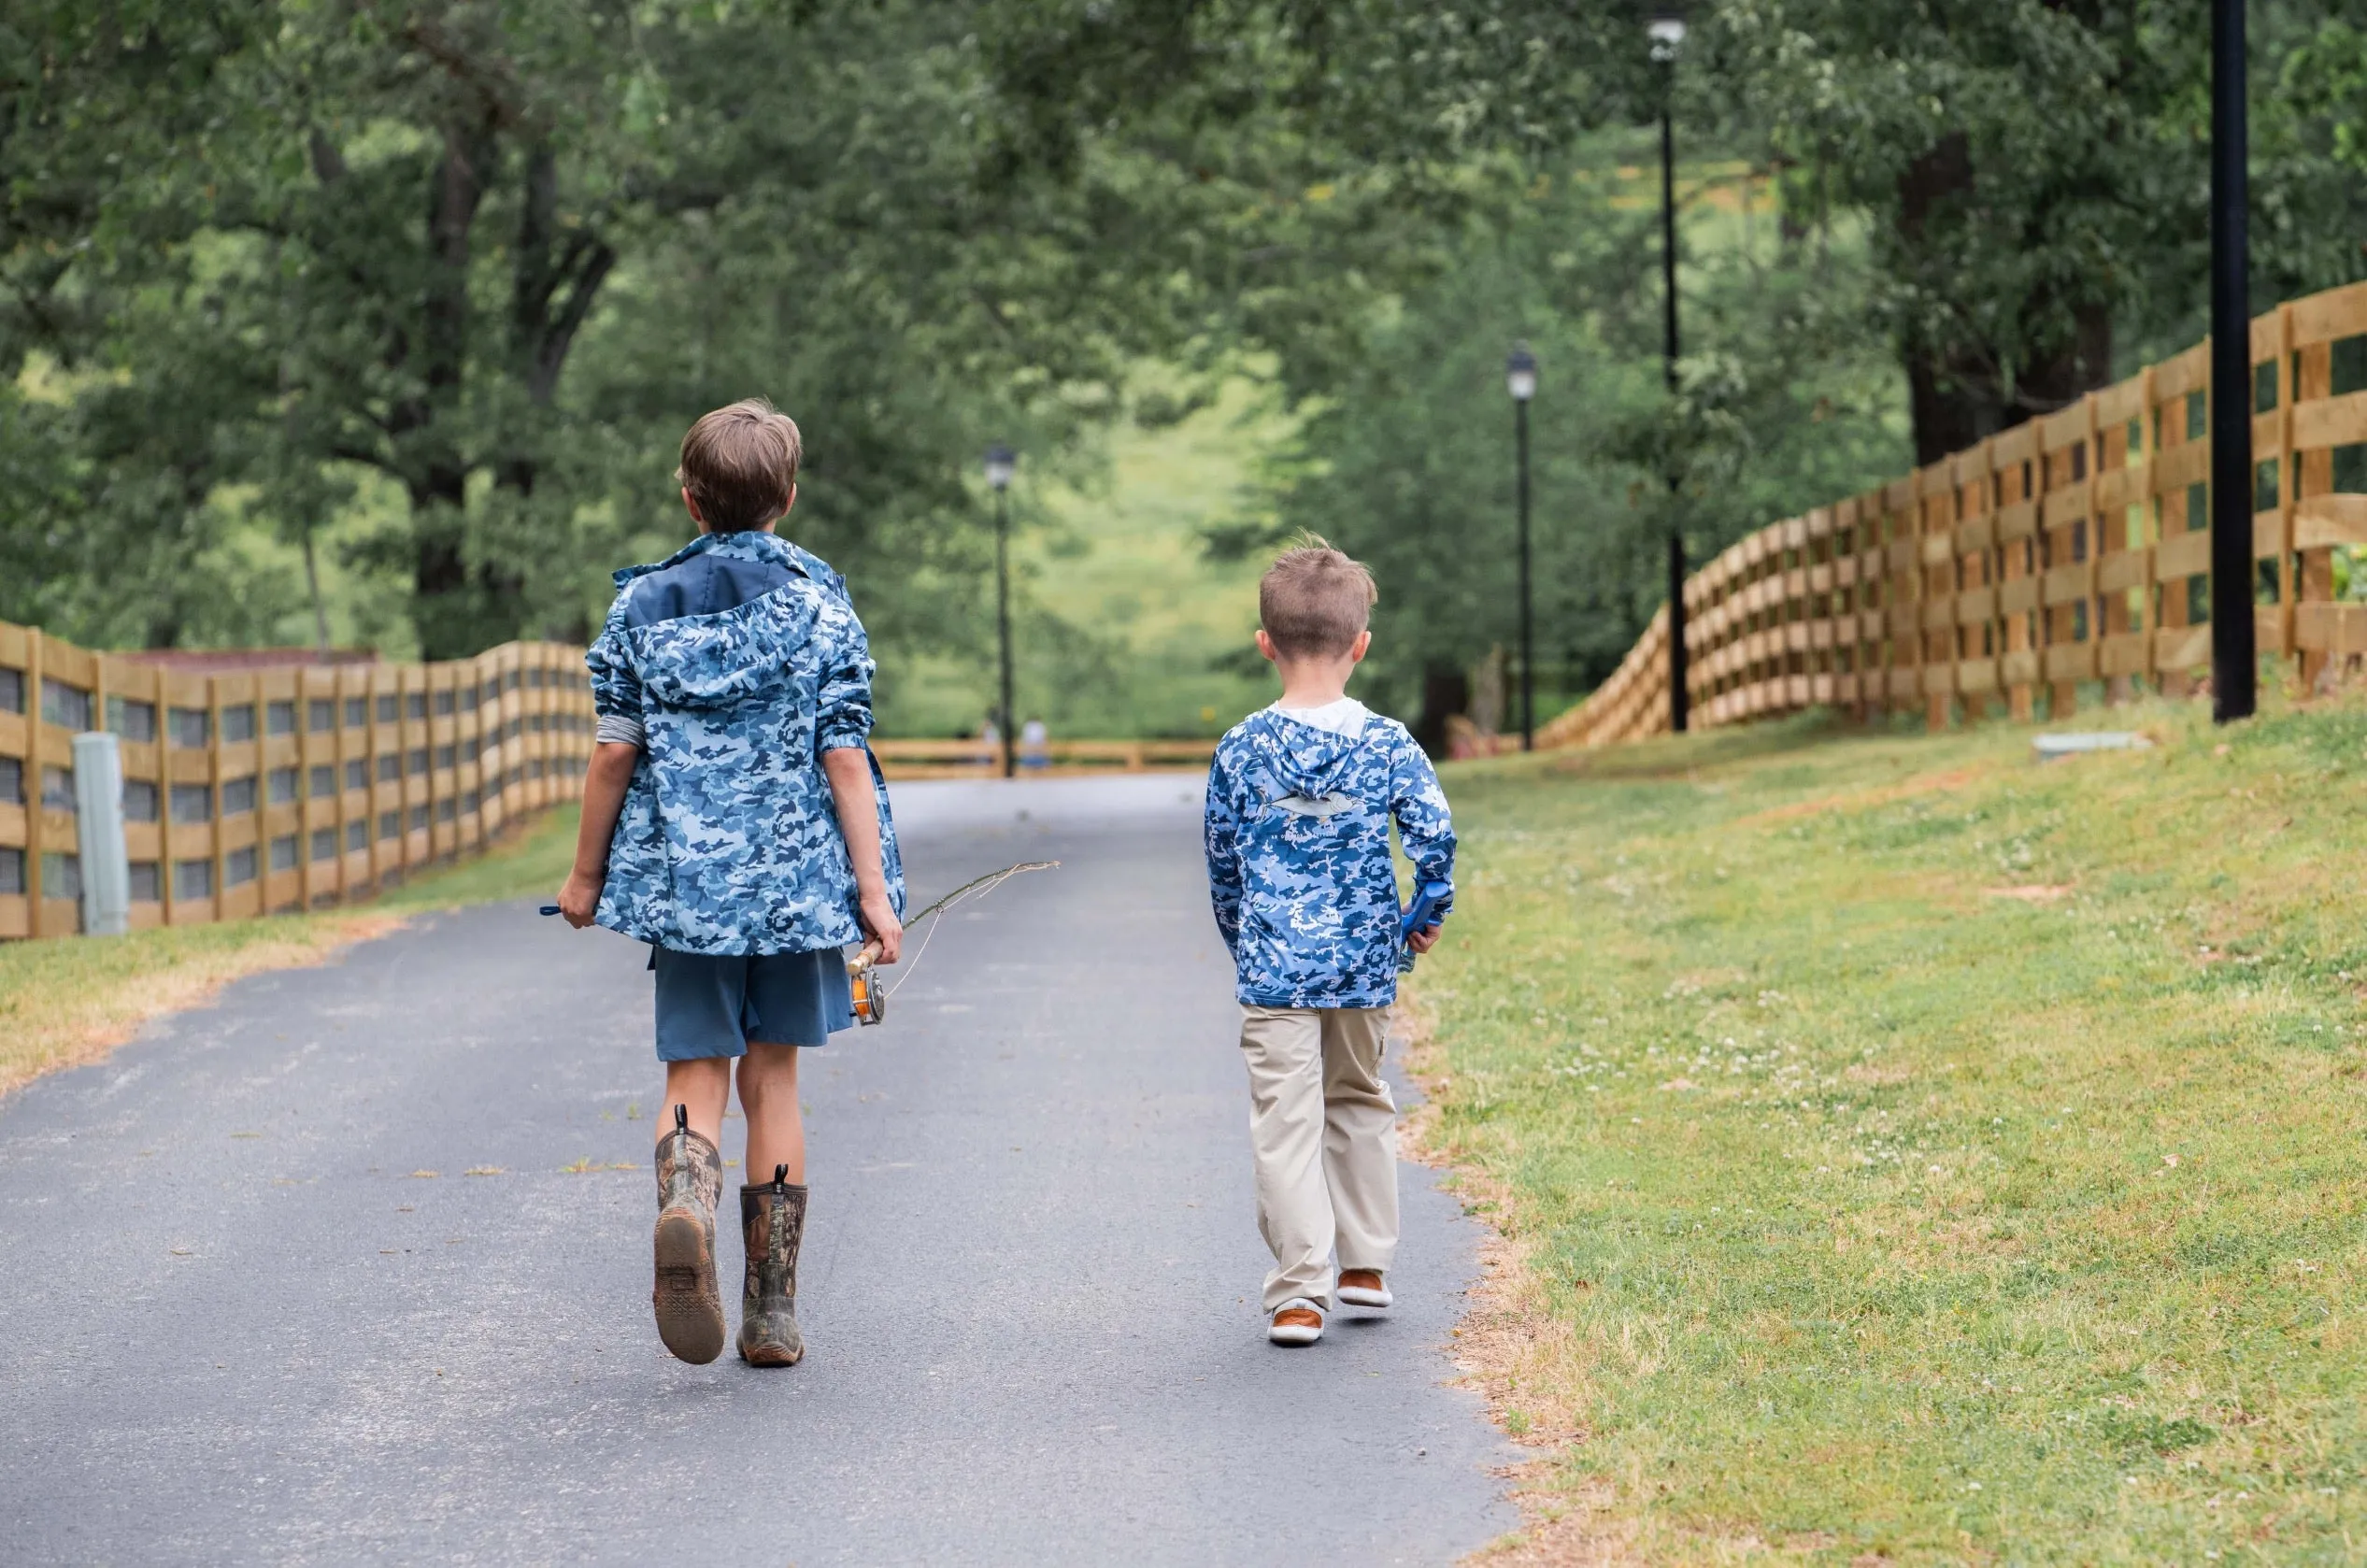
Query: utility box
x=99, y=816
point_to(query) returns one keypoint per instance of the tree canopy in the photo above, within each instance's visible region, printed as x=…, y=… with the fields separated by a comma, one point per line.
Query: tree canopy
x=465, y=268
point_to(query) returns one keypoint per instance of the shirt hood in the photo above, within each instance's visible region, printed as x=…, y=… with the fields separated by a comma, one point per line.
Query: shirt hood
x=711, y=660
x=1306, y=760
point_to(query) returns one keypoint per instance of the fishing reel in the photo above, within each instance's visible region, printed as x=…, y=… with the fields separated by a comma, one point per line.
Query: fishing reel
x=870, y=997
x=863, y=982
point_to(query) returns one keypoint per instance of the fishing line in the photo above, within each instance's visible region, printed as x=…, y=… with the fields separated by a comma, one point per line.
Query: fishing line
x=980, y=886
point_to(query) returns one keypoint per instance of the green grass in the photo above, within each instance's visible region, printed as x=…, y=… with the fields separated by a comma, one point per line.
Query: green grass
x=1920, y=1153
x=71, y=1000
x=533, y=863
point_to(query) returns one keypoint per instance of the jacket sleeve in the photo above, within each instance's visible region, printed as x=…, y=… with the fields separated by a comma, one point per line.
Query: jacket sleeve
x=1424, y=825
x=1221, y=827
x=842, y=711
x=615, y=687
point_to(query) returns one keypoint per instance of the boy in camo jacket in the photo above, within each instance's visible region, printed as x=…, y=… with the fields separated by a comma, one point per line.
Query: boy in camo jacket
x=1301, y=795
x=733, y=820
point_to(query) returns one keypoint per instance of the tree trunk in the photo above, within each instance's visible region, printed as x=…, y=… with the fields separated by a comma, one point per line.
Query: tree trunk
x=2080, y=364
x=1953, y=397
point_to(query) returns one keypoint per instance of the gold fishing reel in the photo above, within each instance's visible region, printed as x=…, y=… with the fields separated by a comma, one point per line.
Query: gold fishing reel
x=863, y=982
x=862, y=974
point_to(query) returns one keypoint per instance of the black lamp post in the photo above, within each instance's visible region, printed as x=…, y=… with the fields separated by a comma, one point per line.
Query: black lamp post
x=1000, y=462
x=2234, y=668
x=1520, y=379
x=1667, y=31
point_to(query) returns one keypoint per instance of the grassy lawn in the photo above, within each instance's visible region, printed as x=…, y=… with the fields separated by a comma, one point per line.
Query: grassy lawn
x=1909, y=1152
x=72, y=1000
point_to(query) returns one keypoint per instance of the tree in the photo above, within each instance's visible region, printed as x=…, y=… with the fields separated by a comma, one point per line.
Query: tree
x=502, y=253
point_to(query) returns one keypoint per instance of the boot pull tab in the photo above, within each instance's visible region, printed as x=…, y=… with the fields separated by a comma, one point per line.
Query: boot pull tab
x=780, y=1181
x=681, y=1118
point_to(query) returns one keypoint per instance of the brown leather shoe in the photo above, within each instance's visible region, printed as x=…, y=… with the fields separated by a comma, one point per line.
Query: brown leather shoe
x=1362, y=1288
x=1296, y=1321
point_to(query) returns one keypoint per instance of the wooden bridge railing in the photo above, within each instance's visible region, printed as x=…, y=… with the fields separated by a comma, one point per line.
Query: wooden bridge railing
x=2073, y=547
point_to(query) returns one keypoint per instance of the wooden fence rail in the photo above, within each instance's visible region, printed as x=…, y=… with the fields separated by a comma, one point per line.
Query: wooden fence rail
x=975, y=759
x=252, y=787
x=2072, y=547
x=274, y=787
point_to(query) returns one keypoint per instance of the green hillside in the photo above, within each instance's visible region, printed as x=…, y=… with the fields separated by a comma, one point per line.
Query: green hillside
x=1120, y=619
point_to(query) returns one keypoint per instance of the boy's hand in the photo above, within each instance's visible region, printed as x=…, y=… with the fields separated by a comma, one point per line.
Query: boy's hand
x=880, y=924
x=578, y=899
x=1423, y=940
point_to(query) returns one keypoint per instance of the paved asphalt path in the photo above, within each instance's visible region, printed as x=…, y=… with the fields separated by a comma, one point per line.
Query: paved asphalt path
x=302, y=1278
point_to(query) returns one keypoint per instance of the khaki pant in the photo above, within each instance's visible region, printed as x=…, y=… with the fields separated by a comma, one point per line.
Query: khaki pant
x=1323, y=1132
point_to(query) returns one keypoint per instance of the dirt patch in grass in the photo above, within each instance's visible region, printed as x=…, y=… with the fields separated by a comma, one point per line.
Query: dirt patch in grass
x=1862, y=800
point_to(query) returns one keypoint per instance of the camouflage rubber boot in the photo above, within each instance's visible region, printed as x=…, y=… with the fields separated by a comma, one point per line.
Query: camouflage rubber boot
x=690, y=1308
x=773, y=1220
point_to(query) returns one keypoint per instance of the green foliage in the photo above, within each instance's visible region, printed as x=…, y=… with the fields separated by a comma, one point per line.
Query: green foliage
x=1782, y=404
x=501, y=254
x=386, y=318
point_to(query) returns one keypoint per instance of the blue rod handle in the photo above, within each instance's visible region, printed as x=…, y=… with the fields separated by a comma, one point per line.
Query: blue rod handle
x=1423, y=911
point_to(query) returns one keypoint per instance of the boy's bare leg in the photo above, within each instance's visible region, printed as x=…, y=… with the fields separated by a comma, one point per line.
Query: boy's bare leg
x=701, y=1085
x=775, y=1125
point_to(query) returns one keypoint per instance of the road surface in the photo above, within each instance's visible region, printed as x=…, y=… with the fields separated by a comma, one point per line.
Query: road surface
x=342, y=1268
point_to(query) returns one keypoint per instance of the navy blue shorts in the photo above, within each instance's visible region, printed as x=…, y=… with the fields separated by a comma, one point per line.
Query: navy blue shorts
x=714, y=1005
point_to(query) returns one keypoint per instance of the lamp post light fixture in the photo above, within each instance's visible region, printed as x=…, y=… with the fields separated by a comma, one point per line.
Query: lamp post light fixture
x=1520, y=379
x=2234, y=655
x=1001, y=463
x=1666, y=30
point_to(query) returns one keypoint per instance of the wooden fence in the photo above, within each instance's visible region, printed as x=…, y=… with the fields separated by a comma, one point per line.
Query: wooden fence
x=289, y=786
x=284, y=787
x=979, y=758
x=2073, y=547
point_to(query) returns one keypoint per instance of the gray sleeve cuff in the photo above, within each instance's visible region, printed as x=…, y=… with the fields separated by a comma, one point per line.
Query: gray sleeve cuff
x=617, y=727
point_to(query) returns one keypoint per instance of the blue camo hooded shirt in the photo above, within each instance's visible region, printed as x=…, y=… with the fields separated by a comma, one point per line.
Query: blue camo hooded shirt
x=1297, y=834
x=742, y=661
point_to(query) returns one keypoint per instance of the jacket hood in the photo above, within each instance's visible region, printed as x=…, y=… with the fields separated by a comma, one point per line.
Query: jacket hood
x=1304, y=759
x=710, y=661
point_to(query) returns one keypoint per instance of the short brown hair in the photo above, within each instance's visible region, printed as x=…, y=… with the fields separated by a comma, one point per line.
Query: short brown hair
x=739, y=465
x=1313, y=601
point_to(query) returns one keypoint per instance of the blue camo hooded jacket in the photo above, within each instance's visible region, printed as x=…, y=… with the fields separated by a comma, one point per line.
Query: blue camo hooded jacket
x=1297, y=833
x=742, y=660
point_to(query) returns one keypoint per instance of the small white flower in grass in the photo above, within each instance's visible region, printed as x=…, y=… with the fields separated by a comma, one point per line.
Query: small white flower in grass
x=1972, y=1486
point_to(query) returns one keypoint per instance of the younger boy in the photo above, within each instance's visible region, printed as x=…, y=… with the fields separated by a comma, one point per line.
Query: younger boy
x=1300, y=799
x=733, y=820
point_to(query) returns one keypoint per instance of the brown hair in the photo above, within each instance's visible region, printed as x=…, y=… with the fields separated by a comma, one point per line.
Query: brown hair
x=1313, y=601
x=739, y=465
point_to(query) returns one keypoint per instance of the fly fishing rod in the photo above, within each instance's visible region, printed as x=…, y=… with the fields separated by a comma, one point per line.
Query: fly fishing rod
x=870, y=998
